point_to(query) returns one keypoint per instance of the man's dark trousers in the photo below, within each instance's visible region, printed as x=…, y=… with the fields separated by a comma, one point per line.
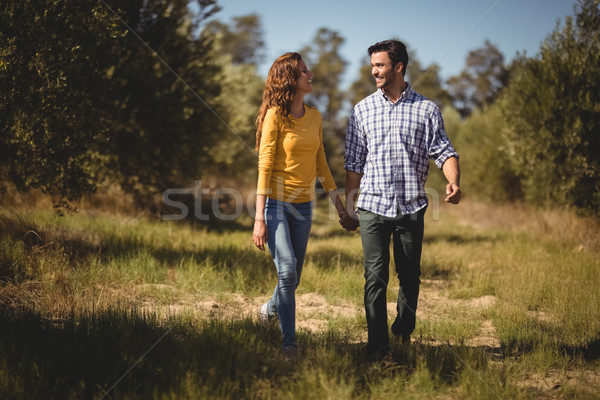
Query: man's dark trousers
x=376, y=232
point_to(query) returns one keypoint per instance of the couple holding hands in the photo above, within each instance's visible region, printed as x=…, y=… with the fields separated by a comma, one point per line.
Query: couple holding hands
x=391, y=136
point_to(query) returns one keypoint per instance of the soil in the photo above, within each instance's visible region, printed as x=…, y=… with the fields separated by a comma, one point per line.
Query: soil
x=314, y=311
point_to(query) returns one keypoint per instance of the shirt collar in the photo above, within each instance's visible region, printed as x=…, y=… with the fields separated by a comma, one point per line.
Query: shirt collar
x=407, y=92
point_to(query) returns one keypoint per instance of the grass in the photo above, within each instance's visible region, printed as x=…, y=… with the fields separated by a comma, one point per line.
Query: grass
x=104, y=306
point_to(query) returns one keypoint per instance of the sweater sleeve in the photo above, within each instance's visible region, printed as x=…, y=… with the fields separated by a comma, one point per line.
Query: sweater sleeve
x=266, y=153
x=323, y=171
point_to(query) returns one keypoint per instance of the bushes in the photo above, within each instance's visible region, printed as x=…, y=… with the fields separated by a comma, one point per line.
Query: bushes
x=540, y=142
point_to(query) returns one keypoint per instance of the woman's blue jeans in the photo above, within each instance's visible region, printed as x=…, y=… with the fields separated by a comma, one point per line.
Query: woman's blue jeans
x=288, y=227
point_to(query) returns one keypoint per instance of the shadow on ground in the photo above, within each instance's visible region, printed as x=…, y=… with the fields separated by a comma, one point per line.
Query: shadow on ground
x=126, y=353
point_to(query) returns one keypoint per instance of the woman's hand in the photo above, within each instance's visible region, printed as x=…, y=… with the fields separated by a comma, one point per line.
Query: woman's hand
x=259, y=235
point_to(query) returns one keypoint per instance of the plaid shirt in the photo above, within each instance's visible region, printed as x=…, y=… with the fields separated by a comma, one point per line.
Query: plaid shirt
x=391, y=144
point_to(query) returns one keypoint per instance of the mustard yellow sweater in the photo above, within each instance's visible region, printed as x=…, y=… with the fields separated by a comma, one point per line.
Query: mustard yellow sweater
x=291, y=157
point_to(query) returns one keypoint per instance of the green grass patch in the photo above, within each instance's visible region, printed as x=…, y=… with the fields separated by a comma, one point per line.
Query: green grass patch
x=100, y=306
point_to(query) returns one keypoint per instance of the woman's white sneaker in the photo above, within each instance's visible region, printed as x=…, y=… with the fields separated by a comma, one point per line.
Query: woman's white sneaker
x=263, y=314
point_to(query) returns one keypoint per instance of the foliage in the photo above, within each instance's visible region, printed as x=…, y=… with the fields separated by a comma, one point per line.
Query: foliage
x=363, y=85
x=48, y=57
x=481, y=81
x=327, y=65
x=242, y=39
x=553, y=108
x=427, y=81
x=237, y=48
x=490, y=172
x=149, y=95
x=95, y=91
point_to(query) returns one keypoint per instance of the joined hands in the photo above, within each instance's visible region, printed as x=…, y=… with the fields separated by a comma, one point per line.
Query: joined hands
x=348, y=221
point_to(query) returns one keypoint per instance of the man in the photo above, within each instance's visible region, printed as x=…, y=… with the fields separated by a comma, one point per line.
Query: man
x=391, y=136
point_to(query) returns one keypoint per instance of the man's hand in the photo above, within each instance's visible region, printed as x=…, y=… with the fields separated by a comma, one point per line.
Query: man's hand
x=452, y=172
x=349, y=221
x=453, y=193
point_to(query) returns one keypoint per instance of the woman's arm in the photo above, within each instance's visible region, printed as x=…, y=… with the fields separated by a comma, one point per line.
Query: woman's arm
x=266, y=159
x=259, y=235
x=337, y=202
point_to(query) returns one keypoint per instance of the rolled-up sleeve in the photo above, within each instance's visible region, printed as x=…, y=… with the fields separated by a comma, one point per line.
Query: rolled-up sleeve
x=440, y=148
x=355, y=146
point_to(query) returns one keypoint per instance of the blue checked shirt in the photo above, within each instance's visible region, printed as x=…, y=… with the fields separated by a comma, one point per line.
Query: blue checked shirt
x=391, y=144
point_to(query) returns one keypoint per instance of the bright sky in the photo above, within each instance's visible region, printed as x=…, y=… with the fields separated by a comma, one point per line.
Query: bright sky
x=440, y=31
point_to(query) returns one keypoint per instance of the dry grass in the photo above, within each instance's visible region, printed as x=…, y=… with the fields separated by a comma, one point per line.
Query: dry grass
x=557, y=225
x=508, y=294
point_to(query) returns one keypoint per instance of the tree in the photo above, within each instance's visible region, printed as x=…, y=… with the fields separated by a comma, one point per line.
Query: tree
x=328, y=66
x=242, y=39
x=552, y=107
x=95, y=91
x=482, y=79
x=166, y=118
x=491, y=171
x=364, y=85
x=237, y=48
x=427, y=81
x=45, y=91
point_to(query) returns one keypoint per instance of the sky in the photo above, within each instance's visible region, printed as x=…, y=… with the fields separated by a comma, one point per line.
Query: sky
x=438, y=31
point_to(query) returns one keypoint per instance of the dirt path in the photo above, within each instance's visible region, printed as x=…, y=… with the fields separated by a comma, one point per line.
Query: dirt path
x=314, y=311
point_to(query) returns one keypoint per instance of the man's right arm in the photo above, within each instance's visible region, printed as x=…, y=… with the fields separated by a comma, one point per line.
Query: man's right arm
x=355, y=157
x=349, y=220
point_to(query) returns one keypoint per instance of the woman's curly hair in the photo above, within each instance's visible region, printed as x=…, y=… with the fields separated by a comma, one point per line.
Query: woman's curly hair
x=280, y=88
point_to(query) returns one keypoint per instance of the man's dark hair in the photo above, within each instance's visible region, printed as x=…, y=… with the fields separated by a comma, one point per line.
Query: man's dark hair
x=395, y=49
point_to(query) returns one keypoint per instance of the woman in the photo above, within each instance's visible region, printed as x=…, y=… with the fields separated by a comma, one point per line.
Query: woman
x=289, y=141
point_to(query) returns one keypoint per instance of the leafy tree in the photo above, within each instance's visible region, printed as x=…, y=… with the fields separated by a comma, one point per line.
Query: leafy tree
x=328, y=66
x=44, y=143
x=84, y=99
x=242, y=39
x=240, y=96
x=427, y=81
x=490, y=171
x=364, y=85
x=482, y=79
x=552, y=107
x=166, y=118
